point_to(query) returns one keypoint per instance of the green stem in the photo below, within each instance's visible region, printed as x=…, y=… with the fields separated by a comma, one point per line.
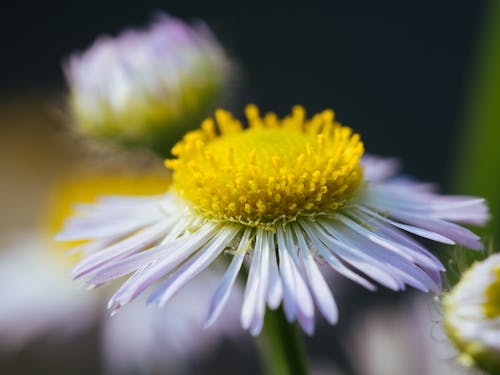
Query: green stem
x=478, y=154
x=281, y=347
x=476, y=170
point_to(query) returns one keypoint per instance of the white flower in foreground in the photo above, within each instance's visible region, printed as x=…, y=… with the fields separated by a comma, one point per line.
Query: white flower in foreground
x=281, y=193
x=472, y=315
x=147, y=87
x=38, y=298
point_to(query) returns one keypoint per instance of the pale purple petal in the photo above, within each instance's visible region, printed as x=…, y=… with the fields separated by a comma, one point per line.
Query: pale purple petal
x=275, y=289
x=192, y=267
x=223, y=291
x=317, y=283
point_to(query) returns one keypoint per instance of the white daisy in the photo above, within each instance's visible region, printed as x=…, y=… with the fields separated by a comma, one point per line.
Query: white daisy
x=472, y=315
x=281, y=194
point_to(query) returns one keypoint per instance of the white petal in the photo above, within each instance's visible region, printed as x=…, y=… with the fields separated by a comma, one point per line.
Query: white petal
x=319, y=288
x=170, y=253
x=455, y=232
x=391, y=246
x=260, y=308
x=297, y=302
x=192, y=267
x=305, y=306
x=143, y=278
x=401, y=269
x=275, y=290
x=121, y=249
x=252, y=286
x=397, y=237
x=331, y=259
x=223, y=291
x=357, y=259
x=409, y=228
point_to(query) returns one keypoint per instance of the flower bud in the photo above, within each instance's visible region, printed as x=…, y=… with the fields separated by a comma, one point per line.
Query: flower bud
x=147, y=87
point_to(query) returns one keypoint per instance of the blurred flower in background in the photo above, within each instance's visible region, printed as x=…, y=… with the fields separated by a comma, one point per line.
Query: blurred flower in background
x=291, y=188
x=472, y=315
x=406, y=338
x=39, y=298
x=147, y=87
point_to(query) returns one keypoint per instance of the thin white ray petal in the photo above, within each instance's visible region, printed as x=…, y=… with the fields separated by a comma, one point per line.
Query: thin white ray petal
x=387, y=243
x=406, y=271
x=252, y=286
x=305, y=305
x=143, y=278
x=408, y=197
x=130, y=264
x=93, y=246
x=397, y=237
x=178, y=229
x=121, y=249
x=378, y=168
x=287, y=275
x=171, y=251
x=223, y=291
x=318, y=285
x=257, y=321
x=352, y=256
x=453, y=231
x=330, y=258
x=96, y=230
x=300, y=302
x=275, y=289
x=409, y=228
x=192, y=267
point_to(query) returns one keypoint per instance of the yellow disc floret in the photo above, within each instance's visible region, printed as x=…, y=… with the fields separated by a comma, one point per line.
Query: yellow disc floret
x=492, y=304
x=275, y=169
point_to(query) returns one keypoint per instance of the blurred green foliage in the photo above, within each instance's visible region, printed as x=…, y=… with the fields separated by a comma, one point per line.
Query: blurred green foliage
x=477, y=168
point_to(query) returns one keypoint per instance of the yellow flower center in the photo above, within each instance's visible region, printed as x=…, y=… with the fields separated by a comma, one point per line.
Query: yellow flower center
x=276, y=169
x=492, y=304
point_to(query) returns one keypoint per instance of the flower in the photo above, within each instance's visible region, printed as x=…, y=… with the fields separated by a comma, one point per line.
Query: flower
x=472, y=315
x=283, y=193
x=44, y=301
x=147, y=87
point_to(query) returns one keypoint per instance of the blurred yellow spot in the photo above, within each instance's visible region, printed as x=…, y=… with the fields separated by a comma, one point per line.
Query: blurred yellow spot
x=87, y=186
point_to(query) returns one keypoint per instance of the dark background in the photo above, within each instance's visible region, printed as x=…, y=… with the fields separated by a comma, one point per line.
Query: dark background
x=397, y=72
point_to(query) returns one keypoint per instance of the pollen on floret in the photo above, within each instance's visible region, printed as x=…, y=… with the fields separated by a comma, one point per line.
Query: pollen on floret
x=273, y=169
x=492, y=304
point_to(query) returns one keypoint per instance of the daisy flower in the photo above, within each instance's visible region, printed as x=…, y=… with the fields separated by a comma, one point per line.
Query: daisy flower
x=281, y=194
x=155, y=341
x=147, y=87
x=472, y=315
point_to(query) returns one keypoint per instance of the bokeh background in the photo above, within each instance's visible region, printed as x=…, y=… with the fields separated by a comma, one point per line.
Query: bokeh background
x=400, y=73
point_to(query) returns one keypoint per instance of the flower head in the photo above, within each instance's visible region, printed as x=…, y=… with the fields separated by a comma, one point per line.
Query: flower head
x=472, y=315
x=147, y=87
x=282, y=194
